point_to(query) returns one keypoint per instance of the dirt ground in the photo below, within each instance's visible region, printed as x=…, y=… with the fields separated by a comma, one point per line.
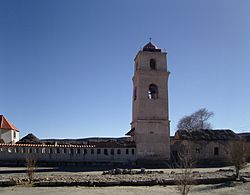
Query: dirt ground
x=240, y=188
x=221, y=189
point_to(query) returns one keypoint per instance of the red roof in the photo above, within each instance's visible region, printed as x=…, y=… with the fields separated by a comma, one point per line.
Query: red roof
x=5, y=124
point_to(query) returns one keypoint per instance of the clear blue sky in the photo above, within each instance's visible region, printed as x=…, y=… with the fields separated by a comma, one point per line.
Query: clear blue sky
x=66, y=66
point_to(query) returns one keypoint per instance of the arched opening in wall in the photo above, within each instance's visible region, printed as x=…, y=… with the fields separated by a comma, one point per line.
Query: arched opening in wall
x=152, y=64
x=152, y=91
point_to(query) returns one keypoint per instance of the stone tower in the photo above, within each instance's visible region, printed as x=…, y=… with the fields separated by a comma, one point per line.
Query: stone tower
x=150, y=118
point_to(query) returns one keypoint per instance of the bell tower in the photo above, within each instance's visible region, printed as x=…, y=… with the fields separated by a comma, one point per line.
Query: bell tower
x=150, y=127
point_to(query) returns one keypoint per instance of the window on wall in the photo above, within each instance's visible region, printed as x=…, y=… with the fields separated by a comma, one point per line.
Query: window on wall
x=216, y=151
x=14, y=135
x=92, y=151
x=106, y=151
x=85, y=151
x=112, y=152
x=118, y=151
x=152, y=91
x=152, y=64
x=127, y=151
x=98, y=151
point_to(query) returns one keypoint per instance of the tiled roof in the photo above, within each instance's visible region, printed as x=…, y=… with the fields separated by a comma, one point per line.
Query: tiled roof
x=131, y=132
x=245, y=136
x=85, y=140
x=5, y=124
x=29, y=139
x=207, y=134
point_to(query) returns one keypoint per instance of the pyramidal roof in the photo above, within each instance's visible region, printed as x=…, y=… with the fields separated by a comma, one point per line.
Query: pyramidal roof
x=151, y=47
x=5, y=124
x=29, y=139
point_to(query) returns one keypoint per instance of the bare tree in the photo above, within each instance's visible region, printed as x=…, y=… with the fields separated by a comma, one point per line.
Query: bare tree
x=195, y=121
x=185, y=179
x=237, y=152
x=30, y=168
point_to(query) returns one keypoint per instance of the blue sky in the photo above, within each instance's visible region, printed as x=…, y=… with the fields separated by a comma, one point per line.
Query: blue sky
x=66, y=66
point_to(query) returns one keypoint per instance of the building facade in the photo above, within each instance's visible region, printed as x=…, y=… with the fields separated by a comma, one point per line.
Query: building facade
x=8, y=132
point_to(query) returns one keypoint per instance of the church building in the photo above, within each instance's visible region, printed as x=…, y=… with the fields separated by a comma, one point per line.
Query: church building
x=148, y=141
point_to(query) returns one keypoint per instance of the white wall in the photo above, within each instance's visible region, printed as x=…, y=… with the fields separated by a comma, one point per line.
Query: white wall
x=64, y=154
x=8, y=136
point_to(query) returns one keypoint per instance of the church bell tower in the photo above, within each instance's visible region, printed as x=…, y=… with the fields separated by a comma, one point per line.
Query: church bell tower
x=150, y=126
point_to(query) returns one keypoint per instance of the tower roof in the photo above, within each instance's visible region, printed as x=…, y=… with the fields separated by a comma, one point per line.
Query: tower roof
x=151, y=47
x=5, y=124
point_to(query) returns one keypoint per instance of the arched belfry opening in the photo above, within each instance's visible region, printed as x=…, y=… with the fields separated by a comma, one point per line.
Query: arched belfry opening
x=152, y=91
x=152, y=64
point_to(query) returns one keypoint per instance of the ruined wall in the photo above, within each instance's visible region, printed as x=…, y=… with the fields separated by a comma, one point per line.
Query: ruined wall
x=203, y=152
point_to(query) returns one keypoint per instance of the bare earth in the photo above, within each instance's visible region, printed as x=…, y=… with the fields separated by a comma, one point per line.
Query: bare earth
x=201, y=189
x=221, y=189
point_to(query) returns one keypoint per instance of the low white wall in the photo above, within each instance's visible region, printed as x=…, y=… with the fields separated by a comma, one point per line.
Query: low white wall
x=66, y=153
